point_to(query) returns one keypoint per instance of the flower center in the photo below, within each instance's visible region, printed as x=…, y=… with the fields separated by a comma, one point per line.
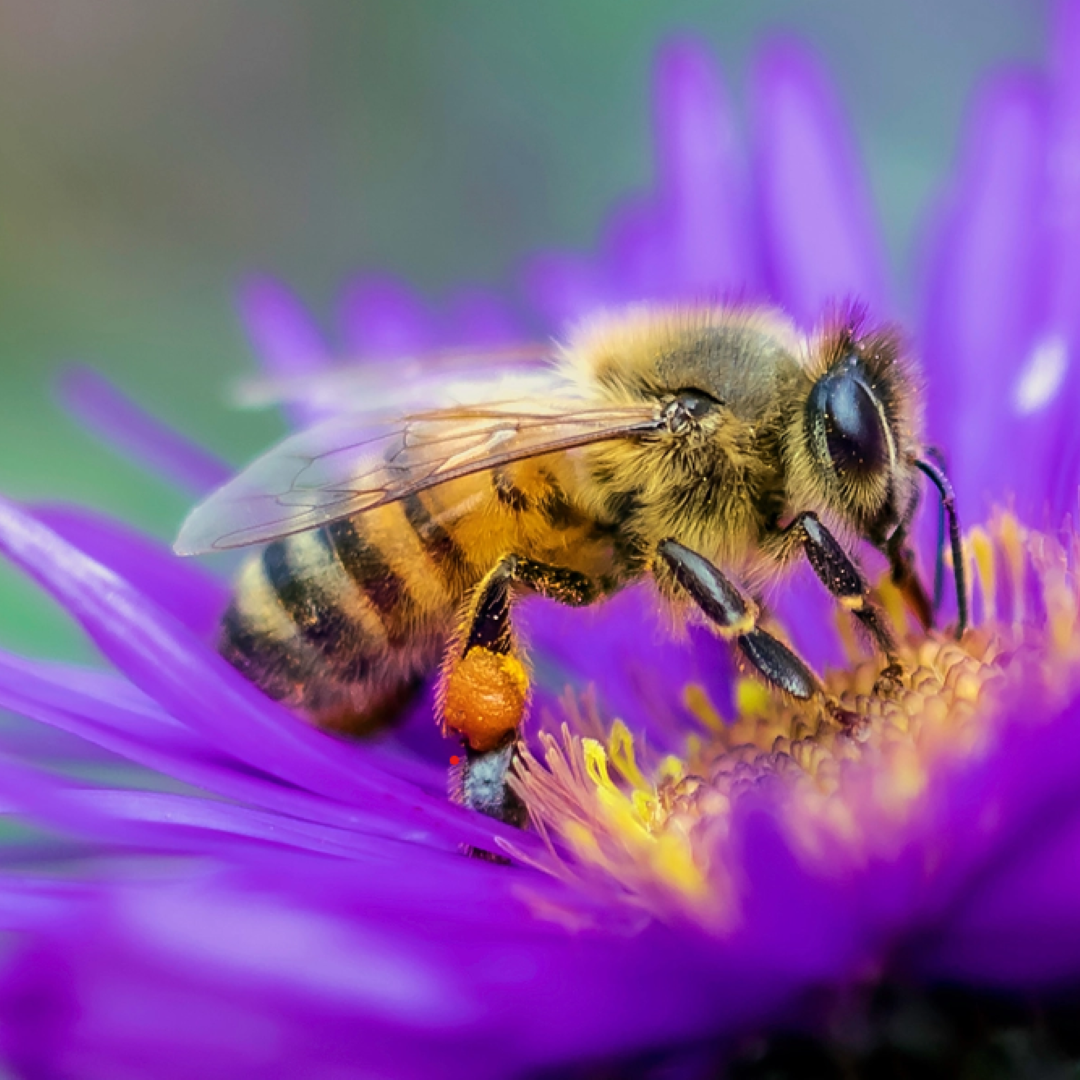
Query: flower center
x=849, y=769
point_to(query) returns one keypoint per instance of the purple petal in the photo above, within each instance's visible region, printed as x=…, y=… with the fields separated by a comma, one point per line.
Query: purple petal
x=282, y=335
x=1056, y=446
x=382, y=318
x=1009, y=912
x=114, y=716
x=119, y=422
x=1019, y=928
x=985, y=293
x=182, y=587
x=280, y=329
x=193, y=977
x=638, y=265
x=1064, y=171
x=563, y=288
x=479, y=317
x=819, y=231
x=638, y=668
x=701, y=184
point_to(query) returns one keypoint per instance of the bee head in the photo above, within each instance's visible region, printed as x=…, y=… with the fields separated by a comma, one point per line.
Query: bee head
x=859, y=424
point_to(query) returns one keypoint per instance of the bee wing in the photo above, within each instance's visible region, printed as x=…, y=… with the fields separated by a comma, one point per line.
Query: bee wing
x=342, y=466
x=402, y=384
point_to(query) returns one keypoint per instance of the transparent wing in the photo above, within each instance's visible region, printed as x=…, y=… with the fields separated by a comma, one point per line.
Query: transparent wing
x=343, y=466
x=405, y=383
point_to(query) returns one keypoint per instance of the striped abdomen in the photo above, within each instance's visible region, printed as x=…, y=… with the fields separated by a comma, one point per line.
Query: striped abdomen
x=343, y=621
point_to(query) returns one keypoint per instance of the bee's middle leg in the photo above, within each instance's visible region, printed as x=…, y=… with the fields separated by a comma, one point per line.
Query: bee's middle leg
x=735, y=618
x=485, y=683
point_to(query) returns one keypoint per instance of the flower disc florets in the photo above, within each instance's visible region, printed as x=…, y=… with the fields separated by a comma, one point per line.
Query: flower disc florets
x=844, y=775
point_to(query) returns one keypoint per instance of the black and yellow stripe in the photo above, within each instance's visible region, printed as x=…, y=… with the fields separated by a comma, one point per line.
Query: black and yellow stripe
x=321, y=616
x=348, y=615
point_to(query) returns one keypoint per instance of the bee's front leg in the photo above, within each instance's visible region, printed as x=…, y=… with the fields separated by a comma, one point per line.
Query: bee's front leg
x=845, y=581
x=485, y=683
x=735, y=619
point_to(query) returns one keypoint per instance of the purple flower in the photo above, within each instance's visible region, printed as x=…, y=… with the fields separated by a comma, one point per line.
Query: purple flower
x=201, y=884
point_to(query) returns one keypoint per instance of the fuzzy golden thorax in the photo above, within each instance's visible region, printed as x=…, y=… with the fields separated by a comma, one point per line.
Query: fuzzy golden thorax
x=757, y=432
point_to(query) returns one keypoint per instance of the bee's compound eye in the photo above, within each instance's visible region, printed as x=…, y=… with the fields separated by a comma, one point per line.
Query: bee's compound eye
x=855, y=435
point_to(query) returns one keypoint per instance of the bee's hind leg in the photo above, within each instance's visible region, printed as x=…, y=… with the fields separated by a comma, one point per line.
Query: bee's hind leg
x=485, y=683
x=735, y=618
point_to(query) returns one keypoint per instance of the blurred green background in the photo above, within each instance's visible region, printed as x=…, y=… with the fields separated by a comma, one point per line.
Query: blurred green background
x=152, y=153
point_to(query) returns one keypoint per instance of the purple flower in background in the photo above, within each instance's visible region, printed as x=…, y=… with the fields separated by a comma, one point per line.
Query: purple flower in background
x=203, y=885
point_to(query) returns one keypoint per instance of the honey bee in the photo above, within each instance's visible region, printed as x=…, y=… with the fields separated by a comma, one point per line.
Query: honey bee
x=706, y=448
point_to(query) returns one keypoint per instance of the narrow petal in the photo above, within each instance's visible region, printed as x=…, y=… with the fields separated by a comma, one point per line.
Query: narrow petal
x=636, y=257
x=480, y=317
x=382, y=318
x=148, y=738
x=282, y=334
x=701, y=176
x=1064, y=170
x=819, y=230
x=183, y=588
x=563, y=288
x=985, y=292
x=122, y=424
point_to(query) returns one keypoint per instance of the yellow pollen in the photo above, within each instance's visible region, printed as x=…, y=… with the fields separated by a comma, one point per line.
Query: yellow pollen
x=752, y=698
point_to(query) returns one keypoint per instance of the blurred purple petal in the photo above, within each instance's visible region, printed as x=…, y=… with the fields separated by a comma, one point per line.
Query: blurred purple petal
x=183, y=588
x=820, y=238
x=280, y=328
x=564, y=288
x=382, y=318
x=153, y=740
x=481, y=318
x=635, y=255
x=283, y=336
x=635, y=663
x=1018, y=927
x=1064, y=172
x=119, y=422
x=701, y=183
x=986, y=292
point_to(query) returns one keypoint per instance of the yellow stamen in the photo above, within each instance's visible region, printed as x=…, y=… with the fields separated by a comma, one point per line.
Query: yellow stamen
x=621, y=753
x=697, y=701
x=983, y=550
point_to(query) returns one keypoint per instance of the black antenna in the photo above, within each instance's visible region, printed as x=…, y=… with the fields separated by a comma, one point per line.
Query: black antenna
x=948, y=503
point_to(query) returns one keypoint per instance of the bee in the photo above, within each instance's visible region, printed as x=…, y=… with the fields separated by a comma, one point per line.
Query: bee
x=706, y=448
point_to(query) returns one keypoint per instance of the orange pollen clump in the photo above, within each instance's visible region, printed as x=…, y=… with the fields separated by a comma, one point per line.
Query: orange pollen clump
x=484, y=698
